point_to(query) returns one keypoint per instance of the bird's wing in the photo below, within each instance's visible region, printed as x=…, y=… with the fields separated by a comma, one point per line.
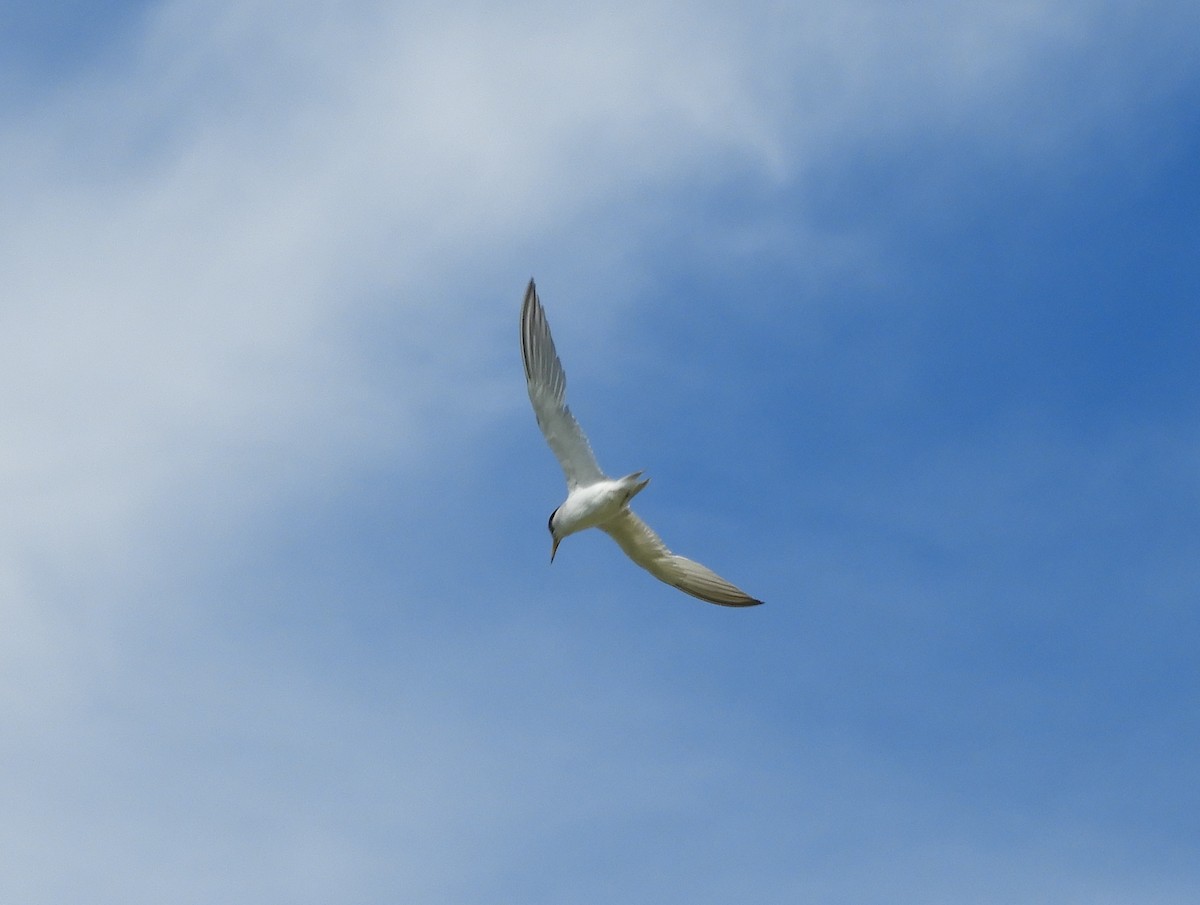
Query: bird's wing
x=547, y=392
x=646, y=548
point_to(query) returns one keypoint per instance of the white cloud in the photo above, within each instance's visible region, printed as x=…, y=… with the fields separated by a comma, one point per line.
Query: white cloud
x=195, y=228
x=201, y=245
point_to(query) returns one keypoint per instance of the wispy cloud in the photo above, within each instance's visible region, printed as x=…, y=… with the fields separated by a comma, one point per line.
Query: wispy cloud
x=261, y=273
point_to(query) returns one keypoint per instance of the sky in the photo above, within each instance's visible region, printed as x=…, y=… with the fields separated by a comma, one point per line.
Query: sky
x=896, y=305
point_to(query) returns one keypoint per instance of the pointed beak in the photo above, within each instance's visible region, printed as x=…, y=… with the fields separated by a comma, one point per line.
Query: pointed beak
x=554, y=549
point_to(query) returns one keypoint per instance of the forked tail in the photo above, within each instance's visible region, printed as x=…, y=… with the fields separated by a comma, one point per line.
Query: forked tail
x=632, y=486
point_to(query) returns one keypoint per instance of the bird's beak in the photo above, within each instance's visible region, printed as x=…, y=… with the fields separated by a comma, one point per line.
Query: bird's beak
x=554, y=549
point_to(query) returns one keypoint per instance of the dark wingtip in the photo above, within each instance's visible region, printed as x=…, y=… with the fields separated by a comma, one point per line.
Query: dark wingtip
x=736, y=604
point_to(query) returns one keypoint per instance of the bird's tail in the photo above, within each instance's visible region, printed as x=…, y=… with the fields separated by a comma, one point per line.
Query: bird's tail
x=632, y=486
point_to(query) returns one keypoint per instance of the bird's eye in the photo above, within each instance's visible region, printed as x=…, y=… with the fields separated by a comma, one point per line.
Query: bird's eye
x=550, y=523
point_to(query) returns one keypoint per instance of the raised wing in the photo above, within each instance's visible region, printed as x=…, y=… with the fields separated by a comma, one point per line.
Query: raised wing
x=547, y=391
x=646, y=548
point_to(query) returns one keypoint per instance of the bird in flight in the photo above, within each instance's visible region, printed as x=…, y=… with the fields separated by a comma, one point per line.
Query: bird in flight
x=595, y=500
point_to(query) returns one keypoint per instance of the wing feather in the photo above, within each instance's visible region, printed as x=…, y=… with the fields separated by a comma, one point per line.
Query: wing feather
x=547, y=384
x=646, y=548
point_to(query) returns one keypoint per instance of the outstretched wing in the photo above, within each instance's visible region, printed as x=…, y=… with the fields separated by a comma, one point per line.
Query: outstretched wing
x=547, y=391
x=646, y=548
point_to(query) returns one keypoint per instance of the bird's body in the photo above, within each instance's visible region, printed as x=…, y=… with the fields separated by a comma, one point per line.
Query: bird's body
x=595, y=500
x=592, y=505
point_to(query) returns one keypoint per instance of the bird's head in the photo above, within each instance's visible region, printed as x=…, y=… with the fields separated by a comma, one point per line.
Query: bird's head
x=554, y=535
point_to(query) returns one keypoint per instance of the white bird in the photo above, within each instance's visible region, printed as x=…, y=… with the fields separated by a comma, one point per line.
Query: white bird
x=595, y=500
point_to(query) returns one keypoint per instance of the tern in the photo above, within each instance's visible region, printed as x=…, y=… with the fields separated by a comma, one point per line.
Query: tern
x=594, y=500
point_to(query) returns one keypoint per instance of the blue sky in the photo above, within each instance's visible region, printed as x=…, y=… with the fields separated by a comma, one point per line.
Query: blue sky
x=896, y=305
